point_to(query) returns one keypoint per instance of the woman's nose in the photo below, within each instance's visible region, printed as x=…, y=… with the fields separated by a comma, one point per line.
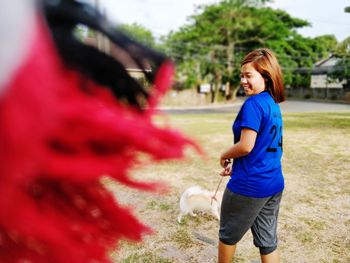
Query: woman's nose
x=243, y=80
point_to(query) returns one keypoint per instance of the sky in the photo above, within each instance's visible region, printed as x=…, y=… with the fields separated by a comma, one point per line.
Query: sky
x=161, y=16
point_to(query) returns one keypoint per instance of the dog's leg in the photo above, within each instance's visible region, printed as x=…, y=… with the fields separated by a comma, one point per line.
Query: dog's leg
x=192, y=214
x=179, y=218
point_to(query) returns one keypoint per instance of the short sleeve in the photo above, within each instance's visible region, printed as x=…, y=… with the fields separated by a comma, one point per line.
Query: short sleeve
x=251, y=115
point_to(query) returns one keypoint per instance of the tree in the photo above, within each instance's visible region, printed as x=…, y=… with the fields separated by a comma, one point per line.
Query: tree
x=342, y=68
x=326, y=44
x=140, y=33
x=219, y=35
x=298, y=54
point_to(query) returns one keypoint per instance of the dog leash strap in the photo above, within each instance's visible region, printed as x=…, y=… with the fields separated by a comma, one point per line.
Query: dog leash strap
x=217, y=188
x=227, y=161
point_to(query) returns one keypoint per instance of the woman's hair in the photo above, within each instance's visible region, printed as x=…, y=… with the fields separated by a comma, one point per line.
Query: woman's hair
x=265, y=62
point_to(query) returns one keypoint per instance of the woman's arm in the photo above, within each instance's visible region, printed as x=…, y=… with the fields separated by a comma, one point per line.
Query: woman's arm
x=242, y=148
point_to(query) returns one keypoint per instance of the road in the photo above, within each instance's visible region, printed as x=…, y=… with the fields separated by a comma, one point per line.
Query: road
x=286, y=107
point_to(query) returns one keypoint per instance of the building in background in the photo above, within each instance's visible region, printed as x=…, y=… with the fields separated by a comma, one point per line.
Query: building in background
x=322, y=86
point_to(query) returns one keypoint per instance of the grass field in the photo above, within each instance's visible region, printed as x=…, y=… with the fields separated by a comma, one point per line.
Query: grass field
x=314, y=224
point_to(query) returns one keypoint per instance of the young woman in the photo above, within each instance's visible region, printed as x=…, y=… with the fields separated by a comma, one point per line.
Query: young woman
x=253, y=193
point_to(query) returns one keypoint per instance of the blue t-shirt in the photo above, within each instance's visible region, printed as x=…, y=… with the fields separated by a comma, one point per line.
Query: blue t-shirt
x=259, y=174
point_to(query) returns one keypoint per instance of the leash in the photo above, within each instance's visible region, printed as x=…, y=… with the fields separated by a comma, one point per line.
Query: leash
x=216, y=191
x=217, y=188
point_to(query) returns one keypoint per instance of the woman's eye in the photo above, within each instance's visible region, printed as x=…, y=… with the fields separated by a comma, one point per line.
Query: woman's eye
x=247, y=76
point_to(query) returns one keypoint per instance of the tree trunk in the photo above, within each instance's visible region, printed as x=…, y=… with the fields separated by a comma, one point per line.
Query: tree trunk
x=234, y=92
x=217, y=84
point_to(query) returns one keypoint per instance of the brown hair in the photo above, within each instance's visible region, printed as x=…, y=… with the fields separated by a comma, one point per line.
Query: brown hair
x=265, y=62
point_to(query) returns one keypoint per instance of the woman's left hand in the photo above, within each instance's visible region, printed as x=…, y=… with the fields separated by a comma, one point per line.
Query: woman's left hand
x=224, y=162
x=227, y=170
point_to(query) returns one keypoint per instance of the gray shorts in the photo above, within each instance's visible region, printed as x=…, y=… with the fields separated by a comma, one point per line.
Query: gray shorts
x=239, y=213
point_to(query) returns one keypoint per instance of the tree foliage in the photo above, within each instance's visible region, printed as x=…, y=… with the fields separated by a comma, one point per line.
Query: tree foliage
x=342, y=68
x=139, y=33
x=219, y=35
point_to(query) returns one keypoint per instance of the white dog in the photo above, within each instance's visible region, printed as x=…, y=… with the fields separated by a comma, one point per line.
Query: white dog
x=196, y=198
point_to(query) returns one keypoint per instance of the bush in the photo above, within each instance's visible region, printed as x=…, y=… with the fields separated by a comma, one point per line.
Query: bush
x=307, y=96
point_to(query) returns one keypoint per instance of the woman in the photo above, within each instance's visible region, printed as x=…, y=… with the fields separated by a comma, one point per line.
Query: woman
x=254, y=191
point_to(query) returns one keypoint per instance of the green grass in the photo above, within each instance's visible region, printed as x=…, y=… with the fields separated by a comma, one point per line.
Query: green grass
x=313, y=224
x=337, y=120
x=213, y=123
x=158, y=205
x=183, y=238
x=306, y=237
x=151, y=204
x=165, y=207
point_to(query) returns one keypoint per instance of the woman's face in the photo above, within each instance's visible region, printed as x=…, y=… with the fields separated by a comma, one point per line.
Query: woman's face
x=251, y=80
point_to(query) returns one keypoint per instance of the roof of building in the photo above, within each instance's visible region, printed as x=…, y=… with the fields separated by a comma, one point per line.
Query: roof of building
x=325, y=66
